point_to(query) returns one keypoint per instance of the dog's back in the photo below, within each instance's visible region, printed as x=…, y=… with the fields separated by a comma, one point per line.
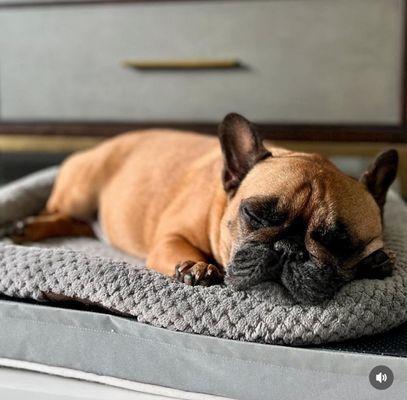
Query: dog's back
x=133, y=179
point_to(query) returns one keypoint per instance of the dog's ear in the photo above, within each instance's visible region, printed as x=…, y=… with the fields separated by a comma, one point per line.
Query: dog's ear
x=242, y=148
x=380, y=175
x=377, y=265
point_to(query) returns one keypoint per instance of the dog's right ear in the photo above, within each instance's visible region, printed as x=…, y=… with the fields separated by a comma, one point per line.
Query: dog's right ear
x=242, y=148
x=380, y=175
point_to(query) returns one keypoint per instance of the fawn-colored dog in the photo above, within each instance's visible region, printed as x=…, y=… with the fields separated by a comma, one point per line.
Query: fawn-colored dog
x=199, y=211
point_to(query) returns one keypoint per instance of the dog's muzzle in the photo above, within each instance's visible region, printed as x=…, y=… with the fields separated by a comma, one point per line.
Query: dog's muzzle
x=253, y=262
x=285, y=261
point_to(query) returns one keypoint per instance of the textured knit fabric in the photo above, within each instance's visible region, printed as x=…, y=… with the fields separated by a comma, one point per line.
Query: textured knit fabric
x=264, y=313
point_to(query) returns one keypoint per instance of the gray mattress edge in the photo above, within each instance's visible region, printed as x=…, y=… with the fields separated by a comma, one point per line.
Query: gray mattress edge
x=122, y=348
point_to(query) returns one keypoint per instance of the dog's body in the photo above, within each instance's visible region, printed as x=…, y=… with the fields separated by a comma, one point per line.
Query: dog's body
x=198, y=209
x=153, y=201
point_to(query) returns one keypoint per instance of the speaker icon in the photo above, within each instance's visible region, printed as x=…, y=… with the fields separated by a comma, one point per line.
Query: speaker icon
x=381, y=377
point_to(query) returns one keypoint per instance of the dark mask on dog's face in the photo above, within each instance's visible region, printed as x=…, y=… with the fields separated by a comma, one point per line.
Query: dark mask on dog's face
x=294, y=218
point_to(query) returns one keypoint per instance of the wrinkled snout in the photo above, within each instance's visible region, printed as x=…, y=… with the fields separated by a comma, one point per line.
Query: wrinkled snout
x=252, y=263
x=285, y=261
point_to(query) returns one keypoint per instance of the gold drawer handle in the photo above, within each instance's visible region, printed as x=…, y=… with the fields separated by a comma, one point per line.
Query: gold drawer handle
x=182, y=64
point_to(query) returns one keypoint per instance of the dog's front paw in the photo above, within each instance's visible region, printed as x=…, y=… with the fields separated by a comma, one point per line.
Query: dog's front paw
x=15, y=232
x=198, y=273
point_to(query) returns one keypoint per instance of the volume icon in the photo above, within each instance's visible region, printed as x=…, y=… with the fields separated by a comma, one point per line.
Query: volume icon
x=381, y=377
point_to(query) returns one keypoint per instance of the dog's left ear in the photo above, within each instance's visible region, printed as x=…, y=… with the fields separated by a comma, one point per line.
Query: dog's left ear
x=377, y=265
x=380, y=175
x=242, y=148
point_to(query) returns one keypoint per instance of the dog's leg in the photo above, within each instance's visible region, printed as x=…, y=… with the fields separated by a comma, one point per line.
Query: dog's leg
x=45, y=226
x=175, y=256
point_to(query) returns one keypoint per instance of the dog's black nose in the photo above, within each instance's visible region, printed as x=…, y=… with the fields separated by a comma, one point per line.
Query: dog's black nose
x=291, y=248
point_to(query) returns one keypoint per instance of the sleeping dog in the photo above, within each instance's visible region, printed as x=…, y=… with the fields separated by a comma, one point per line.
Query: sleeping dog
x=241, y=211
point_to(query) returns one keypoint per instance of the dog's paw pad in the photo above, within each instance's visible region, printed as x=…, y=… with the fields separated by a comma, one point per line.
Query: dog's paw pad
x=198, y=273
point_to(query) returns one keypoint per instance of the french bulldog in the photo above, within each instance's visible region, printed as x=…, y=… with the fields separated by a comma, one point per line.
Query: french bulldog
x=243, y=212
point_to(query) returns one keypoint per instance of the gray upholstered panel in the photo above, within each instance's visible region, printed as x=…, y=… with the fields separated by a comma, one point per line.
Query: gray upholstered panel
x=113, y=346
x=308, y=60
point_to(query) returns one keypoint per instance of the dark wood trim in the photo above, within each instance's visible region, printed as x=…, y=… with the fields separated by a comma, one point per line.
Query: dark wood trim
x=320, y=132
x=335, y=133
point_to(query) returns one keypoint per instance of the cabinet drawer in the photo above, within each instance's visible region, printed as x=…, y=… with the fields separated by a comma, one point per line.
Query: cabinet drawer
x=304, y=61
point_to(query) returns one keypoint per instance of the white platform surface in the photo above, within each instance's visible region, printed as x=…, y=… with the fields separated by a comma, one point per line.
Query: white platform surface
x=30, y=382
x=18, y=384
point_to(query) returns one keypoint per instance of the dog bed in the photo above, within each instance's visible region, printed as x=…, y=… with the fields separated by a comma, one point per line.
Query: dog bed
x=265, y=313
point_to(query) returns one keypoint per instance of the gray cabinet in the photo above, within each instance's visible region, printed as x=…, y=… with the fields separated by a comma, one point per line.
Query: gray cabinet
x=304, y=61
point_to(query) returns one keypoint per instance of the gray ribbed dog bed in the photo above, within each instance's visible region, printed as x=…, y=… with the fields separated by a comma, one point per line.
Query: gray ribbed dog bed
x=91, y=270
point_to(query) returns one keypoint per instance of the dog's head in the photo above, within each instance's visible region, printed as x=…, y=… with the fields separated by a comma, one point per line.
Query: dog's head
x=296, y=219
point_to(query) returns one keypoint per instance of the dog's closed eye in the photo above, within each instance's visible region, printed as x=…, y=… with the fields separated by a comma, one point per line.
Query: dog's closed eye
x=336, y=239
x=262, y=213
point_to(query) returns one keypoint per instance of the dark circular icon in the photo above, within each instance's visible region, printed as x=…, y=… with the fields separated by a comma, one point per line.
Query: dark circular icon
x=381, y=377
